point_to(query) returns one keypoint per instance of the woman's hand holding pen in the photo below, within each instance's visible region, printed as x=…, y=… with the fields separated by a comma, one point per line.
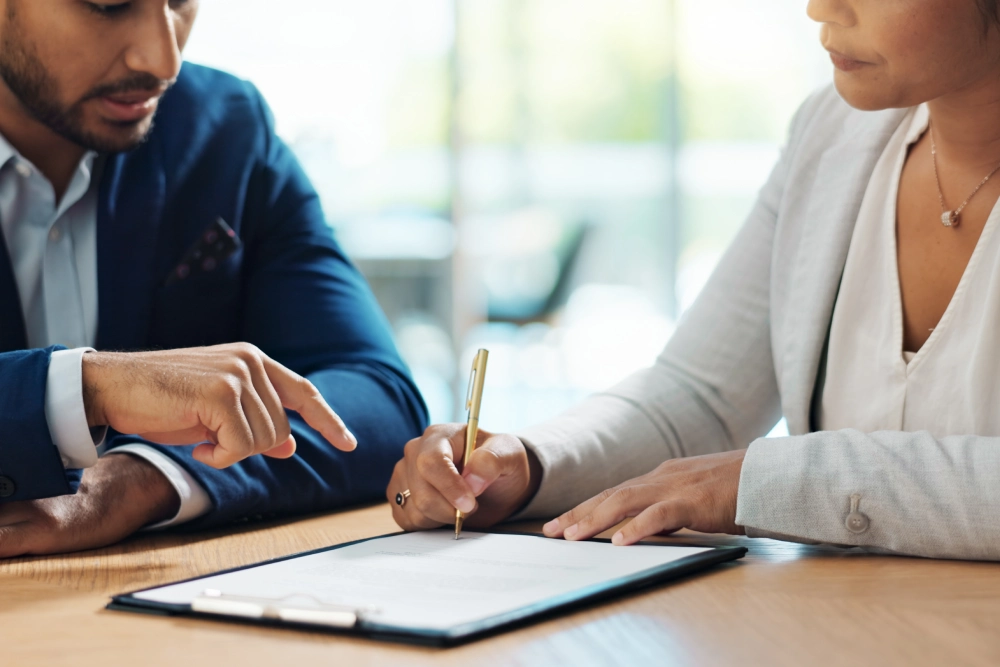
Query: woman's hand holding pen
x=501, y=477
x=698, y=492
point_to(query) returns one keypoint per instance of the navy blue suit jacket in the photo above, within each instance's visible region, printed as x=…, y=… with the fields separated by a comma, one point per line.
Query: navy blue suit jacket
x=291, y=291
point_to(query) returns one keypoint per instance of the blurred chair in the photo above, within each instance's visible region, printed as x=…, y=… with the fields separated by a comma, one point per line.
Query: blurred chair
x=407, y=259
x=528, y=260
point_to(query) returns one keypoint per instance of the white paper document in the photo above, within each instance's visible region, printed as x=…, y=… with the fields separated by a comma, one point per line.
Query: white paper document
x=430, y=581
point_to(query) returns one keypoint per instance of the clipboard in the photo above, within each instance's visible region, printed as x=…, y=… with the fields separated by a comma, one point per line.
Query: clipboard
x=305, y=612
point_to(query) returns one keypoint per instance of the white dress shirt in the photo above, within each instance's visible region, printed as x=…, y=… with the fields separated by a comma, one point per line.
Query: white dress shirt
x=53, y=249
x=949, y=386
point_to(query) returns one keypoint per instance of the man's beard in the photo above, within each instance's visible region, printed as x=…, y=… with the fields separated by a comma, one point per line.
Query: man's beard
x=36, y=89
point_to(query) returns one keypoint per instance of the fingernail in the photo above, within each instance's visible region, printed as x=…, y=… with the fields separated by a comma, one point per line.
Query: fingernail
x=476, y=483
x=551, y=527
x=618, y=539
x=570, y=532
x=350, y=436
x=466, y=504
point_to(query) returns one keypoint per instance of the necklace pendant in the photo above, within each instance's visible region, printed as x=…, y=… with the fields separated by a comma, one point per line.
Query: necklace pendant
x=948, y=218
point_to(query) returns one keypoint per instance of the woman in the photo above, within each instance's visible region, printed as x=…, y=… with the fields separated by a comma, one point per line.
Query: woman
x=860, y=300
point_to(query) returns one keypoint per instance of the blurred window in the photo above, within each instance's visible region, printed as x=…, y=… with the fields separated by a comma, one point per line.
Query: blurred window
x=552, y=179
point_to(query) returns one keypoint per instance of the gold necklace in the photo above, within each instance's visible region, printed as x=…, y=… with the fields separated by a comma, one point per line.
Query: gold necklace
x=950, y=218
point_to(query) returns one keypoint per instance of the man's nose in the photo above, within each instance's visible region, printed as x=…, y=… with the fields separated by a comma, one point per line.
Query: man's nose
x=155, y=50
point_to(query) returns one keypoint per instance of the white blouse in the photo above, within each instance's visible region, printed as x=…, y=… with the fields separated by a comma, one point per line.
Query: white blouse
x=950, y=386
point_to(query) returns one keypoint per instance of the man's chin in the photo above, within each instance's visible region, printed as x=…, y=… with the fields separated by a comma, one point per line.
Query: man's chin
x=115, y=137
x=108, y=136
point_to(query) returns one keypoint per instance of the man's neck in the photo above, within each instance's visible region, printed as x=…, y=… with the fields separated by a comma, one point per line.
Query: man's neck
x=56, y=157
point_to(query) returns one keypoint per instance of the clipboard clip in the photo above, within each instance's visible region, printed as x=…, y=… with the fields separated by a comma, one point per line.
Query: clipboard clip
x=300, y=608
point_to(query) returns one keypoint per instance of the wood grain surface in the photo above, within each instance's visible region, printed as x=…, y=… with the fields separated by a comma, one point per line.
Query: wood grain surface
x=784, y=604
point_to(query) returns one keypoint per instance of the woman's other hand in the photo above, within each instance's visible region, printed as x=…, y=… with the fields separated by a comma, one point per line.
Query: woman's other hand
x=502, y=475
x=697, y=493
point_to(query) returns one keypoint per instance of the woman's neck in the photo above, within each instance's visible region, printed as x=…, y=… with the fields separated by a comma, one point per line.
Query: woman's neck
x=967, y=125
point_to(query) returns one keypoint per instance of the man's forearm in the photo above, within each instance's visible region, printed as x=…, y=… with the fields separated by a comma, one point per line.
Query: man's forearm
x=117, y=497
x=135, y=482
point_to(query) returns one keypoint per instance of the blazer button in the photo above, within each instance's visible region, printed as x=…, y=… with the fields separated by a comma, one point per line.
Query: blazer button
x=857, y=522
x=7, y=487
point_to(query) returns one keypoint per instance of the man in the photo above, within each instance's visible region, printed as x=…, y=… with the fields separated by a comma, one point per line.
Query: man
x=99, y=206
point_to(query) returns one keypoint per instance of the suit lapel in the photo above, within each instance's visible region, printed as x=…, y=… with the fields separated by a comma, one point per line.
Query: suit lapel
x=842, y=178
x=12, y=332
x=128, y=224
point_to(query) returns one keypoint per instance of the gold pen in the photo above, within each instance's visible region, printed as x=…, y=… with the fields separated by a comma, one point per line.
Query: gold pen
x=473, y=400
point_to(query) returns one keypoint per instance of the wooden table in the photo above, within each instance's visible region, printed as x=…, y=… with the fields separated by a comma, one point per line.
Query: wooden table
x=783, y=604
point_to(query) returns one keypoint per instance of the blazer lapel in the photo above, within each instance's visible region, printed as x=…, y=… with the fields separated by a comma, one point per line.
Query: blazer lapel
x=842, y=178
x=12, y=332
x=128, y=223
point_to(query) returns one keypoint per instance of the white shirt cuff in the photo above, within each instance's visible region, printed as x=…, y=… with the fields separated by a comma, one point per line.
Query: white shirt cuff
x=65, y=413
x=194, y=500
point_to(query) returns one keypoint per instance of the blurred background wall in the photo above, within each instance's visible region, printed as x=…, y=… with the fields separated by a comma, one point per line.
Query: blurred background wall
x=551, y=179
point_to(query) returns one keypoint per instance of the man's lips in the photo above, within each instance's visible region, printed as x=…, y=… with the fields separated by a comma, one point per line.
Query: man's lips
x=846, y=63
x=129, y=107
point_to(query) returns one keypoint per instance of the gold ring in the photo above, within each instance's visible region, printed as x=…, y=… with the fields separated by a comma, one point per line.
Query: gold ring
x=401, y=497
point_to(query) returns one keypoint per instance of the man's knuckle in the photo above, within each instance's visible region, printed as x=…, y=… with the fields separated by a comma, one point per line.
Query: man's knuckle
x=245, y=351
x=269, y=439
x=308, y=388
x=239, y=369
x=244, y=442
x=282, y=431
x=255, y=361
x=226, y=389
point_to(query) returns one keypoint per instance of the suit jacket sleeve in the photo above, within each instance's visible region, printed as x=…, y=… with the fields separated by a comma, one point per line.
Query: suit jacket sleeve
x=306, y=306
x=917, y=495
x=29, y=458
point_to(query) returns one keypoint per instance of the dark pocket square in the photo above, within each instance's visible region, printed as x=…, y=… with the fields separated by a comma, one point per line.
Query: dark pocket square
x=216, y=244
